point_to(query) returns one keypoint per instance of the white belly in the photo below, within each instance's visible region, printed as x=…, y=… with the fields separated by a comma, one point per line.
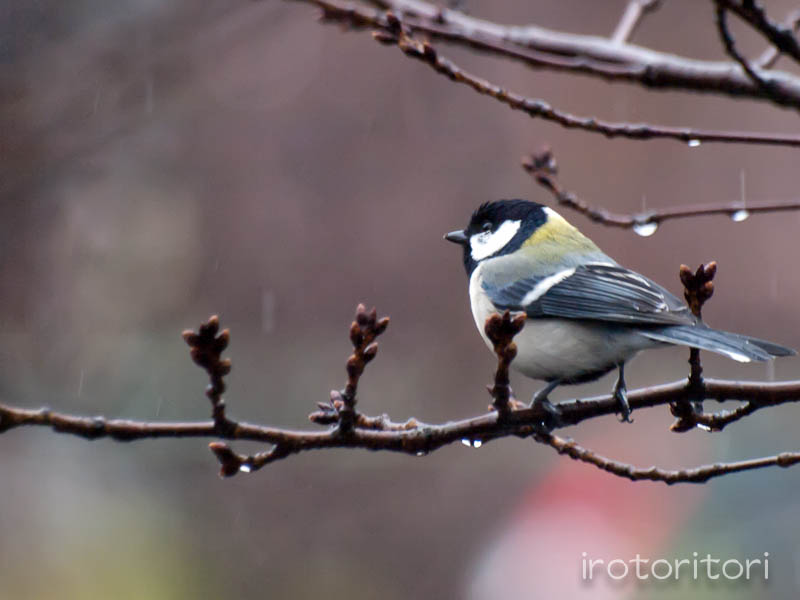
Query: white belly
x=561, y=348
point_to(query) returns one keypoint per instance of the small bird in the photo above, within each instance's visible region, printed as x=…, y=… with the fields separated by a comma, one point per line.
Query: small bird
x=586, y=314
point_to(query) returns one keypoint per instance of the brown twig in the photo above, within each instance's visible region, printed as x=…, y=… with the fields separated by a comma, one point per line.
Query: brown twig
x=770, y=55
x=206, y=350
x=363, y=332
x=501, y=329
x=590, y=55
x=779, y=35
x=695, y=475
x=544, y=169
x=698, y=287
x=537, y=108
x=379, y=433
x=340, y=408
x=543, y=48
x=730, y=48
x=412, y=437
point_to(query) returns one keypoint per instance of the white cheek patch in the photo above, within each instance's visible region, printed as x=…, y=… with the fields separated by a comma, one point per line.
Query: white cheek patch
x=540, y=289
x=487, y=243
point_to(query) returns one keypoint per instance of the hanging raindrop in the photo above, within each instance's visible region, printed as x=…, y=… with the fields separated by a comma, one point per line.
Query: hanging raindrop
x=646, y=228
x=740, y=215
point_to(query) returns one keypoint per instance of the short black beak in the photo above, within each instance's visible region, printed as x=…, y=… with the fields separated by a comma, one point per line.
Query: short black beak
x=457, y=237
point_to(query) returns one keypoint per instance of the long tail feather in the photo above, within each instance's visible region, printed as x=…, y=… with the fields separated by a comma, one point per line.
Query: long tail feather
x=733, y=345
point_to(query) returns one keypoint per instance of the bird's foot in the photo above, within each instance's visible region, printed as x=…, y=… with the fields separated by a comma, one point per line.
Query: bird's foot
x=552, y=413
x=621, y=396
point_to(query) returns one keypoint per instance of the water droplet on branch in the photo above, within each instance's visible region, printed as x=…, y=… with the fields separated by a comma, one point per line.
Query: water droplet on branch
x=740, y=215
x=693, y=143
x=646, y=228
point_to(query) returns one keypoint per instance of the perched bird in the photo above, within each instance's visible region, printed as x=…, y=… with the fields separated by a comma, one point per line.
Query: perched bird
x=586, y=314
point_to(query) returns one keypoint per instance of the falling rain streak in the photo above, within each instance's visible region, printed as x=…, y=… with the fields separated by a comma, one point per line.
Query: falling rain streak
x=741, y=214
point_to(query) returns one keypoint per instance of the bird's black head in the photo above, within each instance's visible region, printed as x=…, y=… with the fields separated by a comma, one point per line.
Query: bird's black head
x=497, y=228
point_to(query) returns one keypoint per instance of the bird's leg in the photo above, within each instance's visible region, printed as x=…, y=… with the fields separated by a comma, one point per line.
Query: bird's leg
x=553, y=418
x=621, y=395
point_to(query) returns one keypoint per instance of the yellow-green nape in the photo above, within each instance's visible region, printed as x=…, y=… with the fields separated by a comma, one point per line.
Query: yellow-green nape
x=556, y=229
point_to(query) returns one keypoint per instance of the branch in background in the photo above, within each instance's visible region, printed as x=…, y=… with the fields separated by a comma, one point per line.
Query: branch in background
x=544, y=169
x=537, y=108
x=634, y=11
x=780, y=36
x=730, y=48
x=413, y=437
x=771, y=55
x=539, y=47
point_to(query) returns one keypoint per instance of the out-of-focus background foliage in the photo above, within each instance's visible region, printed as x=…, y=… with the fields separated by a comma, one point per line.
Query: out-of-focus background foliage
x=163, y=161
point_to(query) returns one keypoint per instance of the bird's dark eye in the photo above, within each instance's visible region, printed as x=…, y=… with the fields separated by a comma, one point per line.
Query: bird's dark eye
x=486, y=227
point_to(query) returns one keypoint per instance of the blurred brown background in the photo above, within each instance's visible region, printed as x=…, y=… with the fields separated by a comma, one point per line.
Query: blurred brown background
x=160, y=162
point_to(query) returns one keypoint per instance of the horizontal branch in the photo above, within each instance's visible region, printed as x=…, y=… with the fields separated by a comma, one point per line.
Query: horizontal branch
x=543, y=168
x=539, y=47
x=380, y=433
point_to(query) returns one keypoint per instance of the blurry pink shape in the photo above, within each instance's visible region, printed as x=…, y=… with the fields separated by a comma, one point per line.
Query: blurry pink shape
x=578, y=509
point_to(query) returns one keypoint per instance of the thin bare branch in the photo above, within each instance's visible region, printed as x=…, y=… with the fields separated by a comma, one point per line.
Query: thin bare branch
x=379, y=433
x=634, y=11
x=537, y=108
x=779, y=35
x=729, y=44
x=363, y=332
x=695, y=475
x=543, y=168
x=771, y=54
x=698, y=288
x=411, y=437
x=501, y=329
x=206, y=351
x=539, y=47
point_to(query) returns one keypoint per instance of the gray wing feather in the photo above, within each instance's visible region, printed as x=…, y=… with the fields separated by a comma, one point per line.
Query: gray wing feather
x=594, y=291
